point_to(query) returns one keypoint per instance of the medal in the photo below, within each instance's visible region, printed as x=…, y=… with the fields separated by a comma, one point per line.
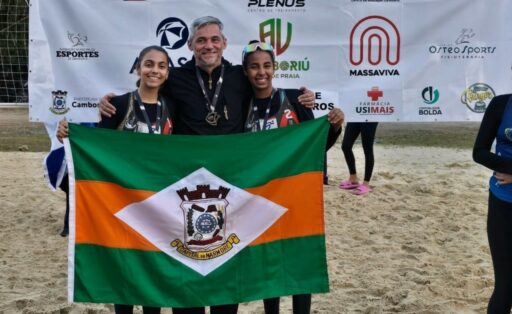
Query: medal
x=212, y=118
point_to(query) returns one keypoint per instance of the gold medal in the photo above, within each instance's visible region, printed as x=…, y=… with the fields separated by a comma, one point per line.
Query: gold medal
x=212, y=118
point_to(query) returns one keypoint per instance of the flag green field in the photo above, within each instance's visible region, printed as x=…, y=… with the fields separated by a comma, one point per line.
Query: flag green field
x=111, y=262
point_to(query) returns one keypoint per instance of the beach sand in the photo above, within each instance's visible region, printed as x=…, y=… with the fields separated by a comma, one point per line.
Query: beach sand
x=416, y=244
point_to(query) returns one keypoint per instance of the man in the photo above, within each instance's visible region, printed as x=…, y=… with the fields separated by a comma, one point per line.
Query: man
x=194, y=86
x=209, y=94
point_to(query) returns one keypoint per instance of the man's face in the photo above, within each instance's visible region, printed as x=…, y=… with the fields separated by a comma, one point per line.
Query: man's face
x=207, y=46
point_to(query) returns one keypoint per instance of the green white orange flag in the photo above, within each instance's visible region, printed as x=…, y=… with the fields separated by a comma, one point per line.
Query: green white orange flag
x=183, y=221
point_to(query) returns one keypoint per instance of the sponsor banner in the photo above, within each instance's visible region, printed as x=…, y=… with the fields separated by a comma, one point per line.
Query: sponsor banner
x=335, y=46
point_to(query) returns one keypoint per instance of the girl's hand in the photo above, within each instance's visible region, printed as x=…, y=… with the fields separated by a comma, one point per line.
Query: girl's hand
x=62, y=130
x=336, y=118
x=503, y=178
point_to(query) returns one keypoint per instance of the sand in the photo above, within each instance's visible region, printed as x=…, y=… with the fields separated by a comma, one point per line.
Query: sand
x=416, y=244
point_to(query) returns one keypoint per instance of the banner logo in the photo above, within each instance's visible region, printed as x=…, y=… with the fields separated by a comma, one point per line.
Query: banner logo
x=375, y=106
x=477, y=97
x=77, y=39
x=205, y=222
x=277, y=6
x=465, y=35
x=430, y=95
x=462, y=49
x=272, y=29
x=375, y=93
x=378, y=37
x=84, y=102
x=59, y=102
x=173, y=33
x=78, y=51
x=277, y=3
x=273, y=32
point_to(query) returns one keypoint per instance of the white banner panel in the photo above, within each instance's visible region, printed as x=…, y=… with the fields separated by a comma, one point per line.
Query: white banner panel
x=403, y=60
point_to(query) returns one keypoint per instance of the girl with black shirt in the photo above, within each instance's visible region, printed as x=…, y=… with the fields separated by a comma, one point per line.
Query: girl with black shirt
x=143, y=110
x=272, y=108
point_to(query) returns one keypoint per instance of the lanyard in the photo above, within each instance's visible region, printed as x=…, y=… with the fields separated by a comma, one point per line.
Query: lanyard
x=212, y=117
x=144, y=113
x=256, y=113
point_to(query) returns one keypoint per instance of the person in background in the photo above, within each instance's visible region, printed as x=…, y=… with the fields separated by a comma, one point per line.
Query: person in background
x=497, y=126
x=143, y=110
x=352, y=131
x=272, y=108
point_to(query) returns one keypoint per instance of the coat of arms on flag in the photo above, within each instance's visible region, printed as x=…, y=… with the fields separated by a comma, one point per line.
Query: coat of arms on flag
x=205, y=213
x=167, y=220
x=205, y=227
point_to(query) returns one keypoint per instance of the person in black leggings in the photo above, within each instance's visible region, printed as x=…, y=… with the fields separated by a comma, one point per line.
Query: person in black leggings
x=499, y=233
x=64, y=186
x=352, y=131
x=497, y=125
x=301, y=304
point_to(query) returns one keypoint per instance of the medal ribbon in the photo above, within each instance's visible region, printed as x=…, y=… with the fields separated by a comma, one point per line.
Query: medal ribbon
x=144, y=113
x=256, y=114
x=212, y=118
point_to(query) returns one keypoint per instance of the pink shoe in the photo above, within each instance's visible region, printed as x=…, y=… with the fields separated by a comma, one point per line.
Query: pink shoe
x=362, y=190
x=348, y=185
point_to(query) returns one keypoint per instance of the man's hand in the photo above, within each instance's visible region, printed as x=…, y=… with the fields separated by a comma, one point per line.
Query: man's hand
x=336, y=118
x=106, y=108
x=307, y=99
